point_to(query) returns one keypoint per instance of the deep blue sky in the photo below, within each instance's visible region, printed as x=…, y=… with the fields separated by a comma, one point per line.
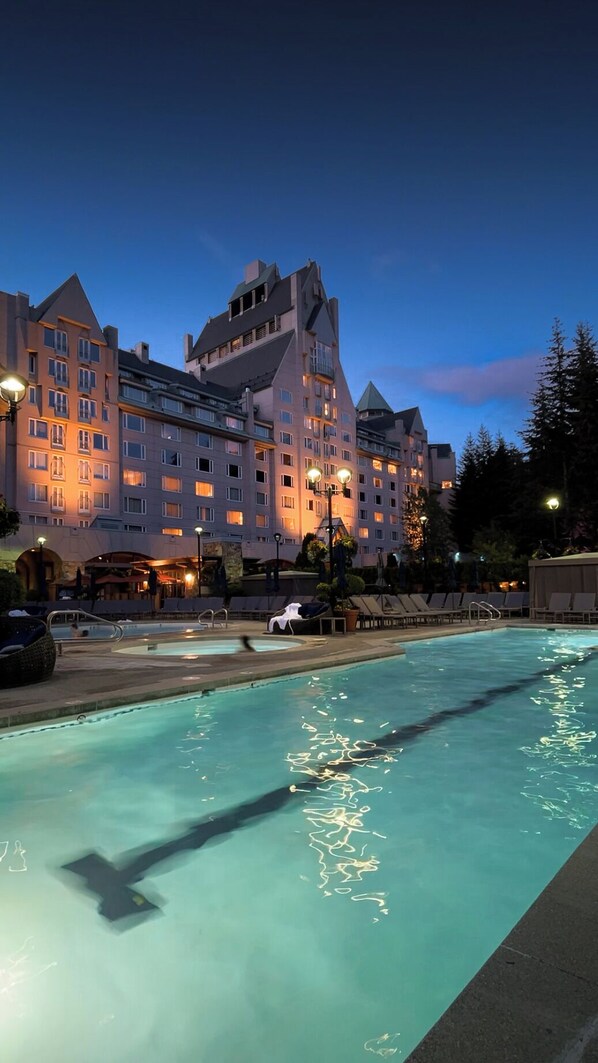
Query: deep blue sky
x=438, y=160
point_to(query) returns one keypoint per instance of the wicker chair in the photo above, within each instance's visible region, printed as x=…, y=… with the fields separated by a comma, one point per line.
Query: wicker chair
x=35, y=657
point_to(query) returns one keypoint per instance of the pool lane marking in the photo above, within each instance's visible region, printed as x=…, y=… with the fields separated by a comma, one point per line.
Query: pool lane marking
x=114, y=885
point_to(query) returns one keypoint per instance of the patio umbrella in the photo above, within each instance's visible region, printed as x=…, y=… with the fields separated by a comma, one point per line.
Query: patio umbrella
x=220, y=580
x=93, y=590
x=451, y=578
x=152, y=582
x=474, y=576
x=380, y=572
x=78, y=584
x=340, y=568
x=403, y=577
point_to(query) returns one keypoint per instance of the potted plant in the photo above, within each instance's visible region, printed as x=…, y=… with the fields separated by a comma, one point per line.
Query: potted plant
x=338, y=593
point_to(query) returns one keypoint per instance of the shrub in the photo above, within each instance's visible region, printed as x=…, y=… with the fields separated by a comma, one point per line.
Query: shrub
x=12, y=592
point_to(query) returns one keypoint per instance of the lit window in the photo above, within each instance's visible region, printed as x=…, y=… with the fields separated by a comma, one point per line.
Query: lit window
x=172, y=509
x=84, y=472
x=57, y=467
x=446, y=485
x=287, y=502
x=363, y=533
x=204, y=489
x=231, y=446
x=377, y=482
x=376, y=464
x=234, y=516
x=378, y=517
x=172, y=531
x=261, y=520
x=392, y=470
x=172, y=483
x=134, y=478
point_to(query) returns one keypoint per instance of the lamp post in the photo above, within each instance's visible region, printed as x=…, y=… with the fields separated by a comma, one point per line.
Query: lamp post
x=277, y=538
x=553, y=504
x=198, y=531
x=314, y=475
x=42, y=575
x=12, y=391
x=424, y=523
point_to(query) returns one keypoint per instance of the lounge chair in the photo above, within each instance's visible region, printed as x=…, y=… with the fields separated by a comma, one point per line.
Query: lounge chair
x=559, y=604
x=27, y=651
x=514, y=601
x=299, y=618
x=583, y=607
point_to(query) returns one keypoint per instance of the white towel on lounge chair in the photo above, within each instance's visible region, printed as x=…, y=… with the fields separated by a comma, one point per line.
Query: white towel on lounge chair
x=291, y=613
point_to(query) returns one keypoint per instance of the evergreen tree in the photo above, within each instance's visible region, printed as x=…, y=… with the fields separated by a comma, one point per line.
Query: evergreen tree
x=10, y=520
x=584, y=430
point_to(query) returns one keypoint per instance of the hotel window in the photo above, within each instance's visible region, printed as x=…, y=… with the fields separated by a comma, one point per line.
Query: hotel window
x=232, y=447
x=134, y=450
x=286, y=417
x=57, y=467
x=205, y=513
x=59, y=370
x=347, y=437
x=57, y=498
x=236, y=344
x=378, y=500
x=346, y=455
x=376, y=464
x=133, y=422
x=58, y=521
x=261, y=476
x=61, y=342
x=33, y=395
x=234, y=516
x=136, y=528
x=172, y=483
x=288, y=523
x=84, y=350
x=394, y=536
x=392, y=485
x=172, y=531
x=260, y=332
x=87, y=409
x=173, y=405
x=247, y=338
x=59, y=402
x=100, y=442
x=392, y=469
x=204, y=465
x=37, y=493
x=38, y=459
x=286, y=459
x=83, y=441
x=446, y=485
x=171, y=457
x=37, y=518
x=105, y=414
x=171, y=431
x=84, y=502
x=234, y=494
x=286, y=396
x=172, y=509
x=261, y=498
x=134, y=505
x=286, y=480
x=101, y=500
x=378, y=517
x=286, y=438
x=377, y=482
x=394, y=519
x=204, y=415
x=101, y=470
x=393, y=503
x=204, y=488
x=84, y=524
x=38, y=428
x=363, y=514
x=130, y=392
x=234, y=422
x=87, y=379
x=363, y=533
x=235, y=471
x=260, y=455
x=287, y=502
x=262, y=520
x=362, y=496
x=134, y=477
x=204, y=439
x=84, y=470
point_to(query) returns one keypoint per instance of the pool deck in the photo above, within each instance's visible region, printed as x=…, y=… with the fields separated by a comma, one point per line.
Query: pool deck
x=536, y=999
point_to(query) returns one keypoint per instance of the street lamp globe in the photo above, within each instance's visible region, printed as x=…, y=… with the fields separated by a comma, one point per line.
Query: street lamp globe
x=344, y=476
x=12, y=391
x=314, y=475
x=553, y=503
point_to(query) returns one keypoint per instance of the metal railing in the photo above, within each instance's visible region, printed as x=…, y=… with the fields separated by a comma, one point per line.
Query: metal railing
x=72, y=616
x=210, y=616
x=485, y=612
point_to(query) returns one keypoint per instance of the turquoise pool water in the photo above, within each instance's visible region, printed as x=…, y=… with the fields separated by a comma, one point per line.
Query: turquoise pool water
x=330, y=858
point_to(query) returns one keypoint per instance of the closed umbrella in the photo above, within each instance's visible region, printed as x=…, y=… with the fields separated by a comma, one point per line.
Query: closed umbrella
x=451, y=579
x=78, y=584
x=152, y=582
x=380, y=573
x=403, y=578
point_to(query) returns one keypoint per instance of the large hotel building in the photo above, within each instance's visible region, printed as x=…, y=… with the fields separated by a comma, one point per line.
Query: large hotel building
x=112, y=454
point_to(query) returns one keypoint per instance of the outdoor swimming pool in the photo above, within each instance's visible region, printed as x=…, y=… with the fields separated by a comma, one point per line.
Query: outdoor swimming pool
x=131, y=630
x=197, y=648
x=309, y=869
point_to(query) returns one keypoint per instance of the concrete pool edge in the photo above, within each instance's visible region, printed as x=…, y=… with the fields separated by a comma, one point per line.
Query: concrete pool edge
x=535, y=1000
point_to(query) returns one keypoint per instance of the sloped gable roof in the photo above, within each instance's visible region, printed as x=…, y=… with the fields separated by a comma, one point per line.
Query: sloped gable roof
x=170, y=375
x=372, y=400
x=256, y=369
x=320, y=322
x=69, y=301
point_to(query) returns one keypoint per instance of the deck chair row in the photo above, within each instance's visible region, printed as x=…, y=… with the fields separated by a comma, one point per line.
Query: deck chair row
x=565, y=607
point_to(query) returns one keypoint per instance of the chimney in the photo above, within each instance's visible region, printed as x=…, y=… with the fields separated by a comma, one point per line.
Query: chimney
x=253, y=270
x=142, y=351
x=111, y=336
x=187, y=346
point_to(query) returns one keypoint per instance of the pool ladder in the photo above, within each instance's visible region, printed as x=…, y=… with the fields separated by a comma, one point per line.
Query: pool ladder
x=210, y=615
x=72, y=616
x=484, y=612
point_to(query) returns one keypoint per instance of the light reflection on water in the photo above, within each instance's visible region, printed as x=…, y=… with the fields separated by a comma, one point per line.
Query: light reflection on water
x=338, y=809
x=555, y=786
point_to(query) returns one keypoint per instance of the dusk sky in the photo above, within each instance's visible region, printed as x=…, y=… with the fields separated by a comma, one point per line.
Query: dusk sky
x=438, y=160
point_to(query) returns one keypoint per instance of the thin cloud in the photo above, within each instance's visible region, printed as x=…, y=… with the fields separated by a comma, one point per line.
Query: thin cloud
x=506, y=378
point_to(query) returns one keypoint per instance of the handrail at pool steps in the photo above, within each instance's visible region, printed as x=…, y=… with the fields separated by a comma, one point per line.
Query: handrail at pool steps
x=72, y=616
x=210, y=615
x=485, y=612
